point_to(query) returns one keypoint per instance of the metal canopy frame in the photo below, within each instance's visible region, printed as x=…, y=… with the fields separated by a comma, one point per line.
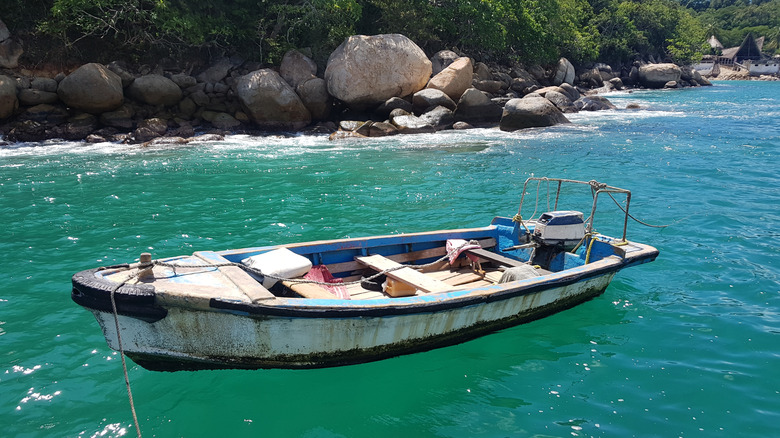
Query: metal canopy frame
x=596, y=189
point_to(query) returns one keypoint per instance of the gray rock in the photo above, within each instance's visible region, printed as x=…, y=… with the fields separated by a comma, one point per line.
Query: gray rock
x=8, y=100
x=658, y=75
x=216, y=72
x=44, y=84
x=593, y=103
x=184, y=81
x=92, y=88
x=224, y=121
x=350, y=125
x=79, y=127
x=412, y=125
x=32, y=97
x=475, y=107
x=461, y=126
x=46, y=114
x=431, y=97
x=482, y=72
x=365, y=71
x=297, y=68
x=442, y=60
x=539, y=74
x=200, y=98
x=270, y=102
x=561, y=101
x=382, y=129
x=10, y=52
x=398, y=112
x=344, y=135
x=122, y=118
x=120, y=70
x=314, y=95
x=570, y=92
x=564, y=73
x=384, y=110
x=155, y=90
x=489, y=86
x=530, y=113
x=440, y=118
x=149, y=129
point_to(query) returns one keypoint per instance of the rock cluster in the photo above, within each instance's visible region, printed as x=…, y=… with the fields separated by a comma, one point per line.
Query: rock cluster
x=372, y=86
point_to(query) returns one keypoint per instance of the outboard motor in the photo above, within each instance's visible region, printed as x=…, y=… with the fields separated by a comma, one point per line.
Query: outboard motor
x=556, y=231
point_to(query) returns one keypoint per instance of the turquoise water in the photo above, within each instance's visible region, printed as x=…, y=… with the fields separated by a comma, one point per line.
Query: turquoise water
x=686, y=346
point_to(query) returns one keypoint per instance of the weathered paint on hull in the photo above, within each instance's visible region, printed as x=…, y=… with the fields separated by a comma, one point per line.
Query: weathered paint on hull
x=188, y=339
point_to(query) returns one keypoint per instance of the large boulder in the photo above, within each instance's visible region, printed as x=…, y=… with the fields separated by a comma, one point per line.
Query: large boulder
x=530, y=112
x=8, y=100
x=365, y=71
x=92, y=88
x=475, y=107
x=564, y=73
x=657, y=75
x=270, y=102
x=155, y=90
x=297, y=68
x=314, y=95
x=454, y=79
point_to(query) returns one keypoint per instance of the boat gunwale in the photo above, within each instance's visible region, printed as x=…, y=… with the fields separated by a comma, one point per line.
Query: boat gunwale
x=429, y=303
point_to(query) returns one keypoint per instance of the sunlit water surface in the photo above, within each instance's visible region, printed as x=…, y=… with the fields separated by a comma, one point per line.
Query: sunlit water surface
x=686, y=346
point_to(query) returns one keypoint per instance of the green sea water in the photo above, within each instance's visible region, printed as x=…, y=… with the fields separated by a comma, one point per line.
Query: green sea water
x=688, y=345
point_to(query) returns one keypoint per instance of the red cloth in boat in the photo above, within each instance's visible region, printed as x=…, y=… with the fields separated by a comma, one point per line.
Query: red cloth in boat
x=322, y=274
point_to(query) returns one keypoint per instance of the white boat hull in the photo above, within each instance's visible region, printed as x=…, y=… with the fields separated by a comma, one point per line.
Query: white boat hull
x=195, y=339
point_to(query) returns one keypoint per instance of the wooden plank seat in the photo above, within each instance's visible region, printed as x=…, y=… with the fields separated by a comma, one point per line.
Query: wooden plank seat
x=243, y=281
x=406, y=275
x=502, y=261
x=496, y=258
x=406, y=257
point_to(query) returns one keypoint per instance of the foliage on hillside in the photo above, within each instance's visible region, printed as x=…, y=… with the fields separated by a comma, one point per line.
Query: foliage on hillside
x=615, y=31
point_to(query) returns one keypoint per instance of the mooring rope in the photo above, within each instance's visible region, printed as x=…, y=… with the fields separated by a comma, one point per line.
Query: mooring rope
x=632, y=217
x=122, y=355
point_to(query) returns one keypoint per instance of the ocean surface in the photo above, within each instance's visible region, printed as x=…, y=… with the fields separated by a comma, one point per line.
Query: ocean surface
x=688, y=345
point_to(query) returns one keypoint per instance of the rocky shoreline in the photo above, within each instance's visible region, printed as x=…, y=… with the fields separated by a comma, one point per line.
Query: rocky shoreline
x=371, y=86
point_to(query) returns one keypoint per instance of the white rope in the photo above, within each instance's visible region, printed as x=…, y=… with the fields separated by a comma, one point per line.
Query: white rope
x=124, y=363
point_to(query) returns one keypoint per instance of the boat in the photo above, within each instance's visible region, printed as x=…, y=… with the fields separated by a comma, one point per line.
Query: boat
x=349, y=301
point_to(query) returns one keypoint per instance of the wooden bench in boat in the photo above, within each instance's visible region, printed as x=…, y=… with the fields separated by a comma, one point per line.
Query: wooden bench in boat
x=243, y=281
x=406, y=275
x=494, y=257
x=500, y=260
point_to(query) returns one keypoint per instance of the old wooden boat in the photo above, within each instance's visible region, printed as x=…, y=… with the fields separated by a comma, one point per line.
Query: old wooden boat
x=347, y=301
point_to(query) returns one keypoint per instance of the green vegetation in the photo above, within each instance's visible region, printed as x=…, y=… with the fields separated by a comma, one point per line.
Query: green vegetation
x=615, y=31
